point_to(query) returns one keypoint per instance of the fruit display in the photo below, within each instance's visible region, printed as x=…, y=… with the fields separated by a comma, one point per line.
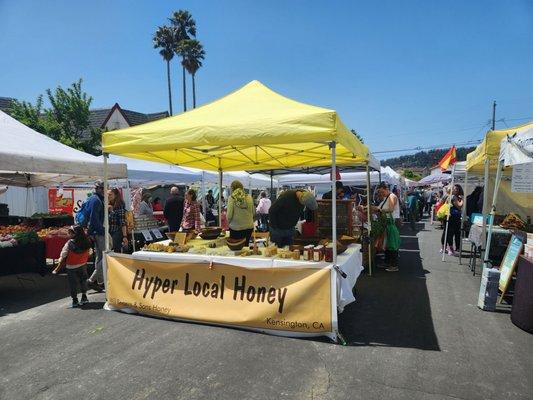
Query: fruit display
x=11, y=229
x=512, y=221
x=42, y=233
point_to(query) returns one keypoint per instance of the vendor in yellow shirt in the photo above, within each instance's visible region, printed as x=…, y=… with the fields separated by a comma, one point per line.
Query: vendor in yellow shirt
x=240, y=213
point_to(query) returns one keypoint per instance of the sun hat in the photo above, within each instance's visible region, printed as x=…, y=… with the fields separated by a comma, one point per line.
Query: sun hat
x=309, y=200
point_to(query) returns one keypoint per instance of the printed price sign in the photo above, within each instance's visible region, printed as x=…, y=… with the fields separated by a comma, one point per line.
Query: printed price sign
x=147, y=235
x=157, y=233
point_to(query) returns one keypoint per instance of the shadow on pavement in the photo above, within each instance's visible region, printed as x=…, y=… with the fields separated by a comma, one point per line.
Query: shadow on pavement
x=25, y=291
x=392, y=308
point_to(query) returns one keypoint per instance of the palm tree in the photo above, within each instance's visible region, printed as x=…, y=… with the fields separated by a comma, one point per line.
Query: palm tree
x=184, y=27
x=193, y=55
x=164, y=40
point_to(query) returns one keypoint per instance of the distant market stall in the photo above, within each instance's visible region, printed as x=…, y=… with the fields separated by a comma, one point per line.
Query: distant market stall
x=29, y=159
x=484, y=162
x=251, y=129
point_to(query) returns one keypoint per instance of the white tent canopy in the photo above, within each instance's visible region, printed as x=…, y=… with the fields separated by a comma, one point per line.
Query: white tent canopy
x=517, y=149
x=388, y=175
x=145, y=173
x=29, y=158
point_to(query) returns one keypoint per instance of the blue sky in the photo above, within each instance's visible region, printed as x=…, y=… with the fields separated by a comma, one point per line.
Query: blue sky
x=402, y=73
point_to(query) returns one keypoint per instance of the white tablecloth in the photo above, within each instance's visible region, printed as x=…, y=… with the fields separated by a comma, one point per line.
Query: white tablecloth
x=350, y=262
x=476, y=231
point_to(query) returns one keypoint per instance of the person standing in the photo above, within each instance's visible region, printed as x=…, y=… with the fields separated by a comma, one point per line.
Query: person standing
x=95, y=229
x=173, y=211
x=191, y=213
x=454, y=222
x=210, y=199
x=391, y=207
x=339, y=192
x=145, y=208
x=411, y=210
x=118, y=228
x=240, y=213
x=285, y=213
x=428, y=198
x=74, y=256
x=262, y=210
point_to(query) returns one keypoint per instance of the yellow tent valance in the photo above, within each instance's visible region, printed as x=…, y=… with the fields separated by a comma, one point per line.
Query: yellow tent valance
x=489, y=149
x=252, y=128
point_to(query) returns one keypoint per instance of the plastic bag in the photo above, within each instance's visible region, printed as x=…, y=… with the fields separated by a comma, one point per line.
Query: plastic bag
x=393, y=236
x=443, y=211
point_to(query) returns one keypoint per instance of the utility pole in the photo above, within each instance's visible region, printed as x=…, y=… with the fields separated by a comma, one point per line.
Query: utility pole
x=494, y=115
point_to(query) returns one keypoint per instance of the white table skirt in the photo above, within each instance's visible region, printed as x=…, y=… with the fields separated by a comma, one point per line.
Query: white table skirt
x=349, y=262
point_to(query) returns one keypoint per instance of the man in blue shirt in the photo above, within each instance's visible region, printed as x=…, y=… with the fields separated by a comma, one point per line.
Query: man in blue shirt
x=95, y=227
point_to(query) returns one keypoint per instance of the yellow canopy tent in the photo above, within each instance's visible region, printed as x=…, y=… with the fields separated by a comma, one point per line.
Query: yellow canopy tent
x=484, y=161
x=252, y=128
x=489, y=150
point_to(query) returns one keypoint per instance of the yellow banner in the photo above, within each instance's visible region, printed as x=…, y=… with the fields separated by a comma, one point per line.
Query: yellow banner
x=294, y=299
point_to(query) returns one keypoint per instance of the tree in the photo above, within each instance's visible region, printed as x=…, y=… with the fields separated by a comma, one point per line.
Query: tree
x=34, y=116
x=411, y=175
x=358, y=136
x=67, y=120
x=193, y=55
x=184, y=28
x=164, y=40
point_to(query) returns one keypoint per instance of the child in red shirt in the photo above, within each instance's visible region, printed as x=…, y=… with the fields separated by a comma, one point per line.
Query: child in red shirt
x=74, y=256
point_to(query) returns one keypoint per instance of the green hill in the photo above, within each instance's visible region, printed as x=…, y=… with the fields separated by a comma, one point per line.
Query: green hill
x=424, y=159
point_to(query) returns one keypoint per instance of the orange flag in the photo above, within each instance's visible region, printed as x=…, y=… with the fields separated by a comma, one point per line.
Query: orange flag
x=449, y=159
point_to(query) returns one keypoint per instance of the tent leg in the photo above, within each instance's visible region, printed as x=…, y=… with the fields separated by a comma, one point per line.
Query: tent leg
x=463, y=218
x=204, y=202
x=219, y=193
x=486, y=260
x=272, y=185
x=106, y=202
x=449, y=201
x=369, y=219
x=485, y=210
x=333, y=147
x=128, y=187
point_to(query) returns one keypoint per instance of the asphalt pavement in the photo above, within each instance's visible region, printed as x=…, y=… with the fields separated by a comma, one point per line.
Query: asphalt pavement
x=415, y=334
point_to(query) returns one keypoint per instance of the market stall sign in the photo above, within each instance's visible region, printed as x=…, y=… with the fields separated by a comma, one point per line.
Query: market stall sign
x=522, y=178
x=61, y=201
x=296, y=299
x=509, y=263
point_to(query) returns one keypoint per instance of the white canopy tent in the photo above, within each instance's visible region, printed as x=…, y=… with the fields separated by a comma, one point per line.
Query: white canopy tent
x=29, y=158
x=388, y=175
x=515, y=150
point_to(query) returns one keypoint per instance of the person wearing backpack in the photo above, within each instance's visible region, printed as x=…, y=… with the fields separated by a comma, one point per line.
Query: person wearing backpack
x=95, y=229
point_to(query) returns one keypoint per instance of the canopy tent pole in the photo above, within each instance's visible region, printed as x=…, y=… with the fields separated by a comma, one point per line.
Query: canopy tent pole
x=485, y=210
x=492, y=213
x=204, y=201
x=463, y=217
x=220, y=192
x=128, y=187
x=106, y=202
x=449, y=201
x=379, y=176
x=369, y=219
x=271, y=185
x=333, y=146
